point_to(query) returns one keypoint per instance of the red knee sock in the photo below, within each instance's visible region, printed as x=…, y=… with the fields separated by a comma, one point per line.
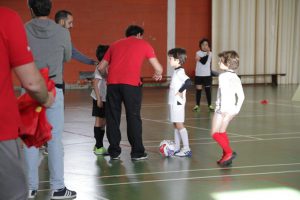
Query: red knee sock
x=222, y=140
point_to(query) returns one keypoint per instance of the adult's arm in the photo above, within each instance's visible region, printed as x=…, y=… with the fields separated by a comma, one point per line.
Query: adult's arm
x=80, y=57
x=34, y=83
x=158, y=70
x=67, y=46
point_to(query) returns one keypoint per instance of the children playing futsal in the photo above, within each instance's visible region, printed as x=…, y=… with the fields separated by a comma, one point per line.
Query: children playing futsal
x=177, y=98
x=99, y=97
x=230, y=98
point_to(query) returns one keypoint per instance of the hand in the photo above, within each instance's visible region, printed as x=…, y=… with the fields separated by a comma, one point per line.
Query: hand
x=99, y=103
x=157, y=77
x=96, y=63
x=179, y=94
x=50, y=100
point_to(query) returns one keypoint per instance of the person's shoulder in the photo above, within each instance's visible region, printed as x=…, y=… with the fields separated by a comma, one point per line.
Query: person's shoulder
x=7, y=15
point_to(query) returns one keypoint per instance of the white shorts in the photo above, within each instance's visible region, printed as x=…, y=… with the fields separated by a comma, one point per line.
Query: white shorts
x=177, y=113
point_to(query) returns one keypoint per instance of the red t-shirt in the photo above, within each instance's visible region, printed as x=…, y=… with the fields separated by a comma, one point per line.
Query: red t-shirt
x=125, y=58
x=14, y=52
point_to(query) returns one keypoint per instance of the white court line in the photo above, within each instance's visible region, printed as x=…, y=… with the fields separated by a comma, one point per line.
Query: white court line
x=198, y=177
x=198, y=128
x=237, y=141
x=188, y=170
x=277, y=104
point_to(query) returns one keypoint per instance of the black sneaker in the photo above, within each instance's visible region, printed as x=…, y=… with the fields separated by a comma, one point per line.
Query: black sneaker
x=32, y=194
x=63, y=193
x=115, y=157
x=143, y=157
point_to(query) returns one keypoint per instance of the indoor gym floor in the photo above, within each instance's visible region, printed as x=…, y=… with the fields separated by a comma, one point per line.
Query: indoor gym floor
x=266, y=138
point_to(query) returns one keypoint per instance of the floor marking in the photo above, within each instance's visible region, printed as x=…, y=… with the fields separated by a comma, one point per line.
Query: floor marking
x=199, y=177
x=189, y=170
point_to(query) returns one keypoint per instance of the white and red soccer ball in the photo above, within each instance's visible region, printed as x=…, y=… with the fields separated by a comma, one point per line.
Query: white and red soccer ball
x=167, y=148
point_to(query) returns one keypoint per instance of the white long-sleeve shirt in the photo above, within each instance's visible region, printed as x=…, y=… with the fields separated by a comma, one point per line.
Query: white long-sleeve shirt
x=178, y=79
x=230, y=95
x=101, y=86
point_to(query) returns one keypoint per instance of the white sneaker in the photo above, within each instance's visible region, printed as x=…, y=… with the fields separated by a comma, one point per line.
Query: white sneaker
x=32, y=194
x=184, y=152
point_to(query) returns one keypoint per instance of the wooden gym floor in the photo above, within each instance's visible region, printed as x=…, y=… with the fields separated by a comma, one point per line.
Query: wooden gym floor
x=266, y=138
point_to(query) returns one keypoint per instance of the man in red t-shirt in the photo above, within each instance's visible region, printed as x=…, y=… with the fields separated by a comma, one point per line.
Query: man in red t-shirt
x=125, y=58
x=15, y=56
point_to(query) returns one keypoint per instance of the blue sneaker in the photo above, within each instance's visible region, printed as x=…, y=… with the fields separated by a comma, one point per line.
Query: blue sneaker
x=184, y=152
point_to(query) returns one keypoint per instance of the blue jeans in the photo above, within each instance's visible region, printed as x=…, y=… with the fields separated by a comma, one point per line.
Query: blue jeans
x=55, y=115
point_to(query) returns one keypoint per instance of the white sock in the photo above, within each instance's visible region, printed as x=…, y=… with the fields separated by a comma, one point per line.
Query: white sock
x=185, y=138
x=177, y=139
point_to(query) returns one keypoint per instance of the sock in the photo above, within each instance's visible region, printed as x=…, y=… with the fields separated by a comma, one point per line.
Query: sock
x=99, y=135
x=224, y=144
x=225, y=137
x=185, y=138
x=198, y=96
x=208, y=95
x=177, y=139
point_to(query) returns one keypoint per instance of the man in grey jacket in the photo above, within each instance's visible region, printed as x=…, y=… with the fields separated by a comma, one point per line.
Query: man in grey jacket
x=51, y=47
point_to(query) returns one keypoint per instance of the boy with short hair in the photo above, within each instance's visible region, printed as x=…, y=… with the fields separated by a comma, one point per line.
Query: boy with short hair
x=230, y=98
x=99, y=98
x=177, y=99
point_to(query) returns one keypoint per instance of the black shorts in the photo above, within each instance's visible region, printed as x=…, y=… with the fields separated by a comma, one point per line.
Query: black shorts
x=203, y=80
x=98, y=112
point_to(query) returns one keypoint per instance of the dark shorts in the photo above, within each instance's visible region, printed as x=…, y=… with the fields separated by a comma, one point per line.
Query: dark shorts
x=98, y=112
x=203, y=80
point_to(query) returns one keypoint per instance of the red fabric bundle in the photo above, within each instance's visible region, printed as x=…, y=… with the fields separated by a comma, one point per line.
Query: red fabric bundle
x=35, y=129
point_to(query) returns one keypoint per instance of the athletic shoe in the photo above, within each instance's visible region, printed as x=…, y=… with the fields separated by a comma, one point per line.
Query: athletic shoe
x=45, y=152
x=184, y=152
x=211, y=108
x=227, y=160
x=115, y=157
x=143, y=157
x=32, y=194
x=196, y=108
x=100, y=151
x=219, y=161
x=63, y=193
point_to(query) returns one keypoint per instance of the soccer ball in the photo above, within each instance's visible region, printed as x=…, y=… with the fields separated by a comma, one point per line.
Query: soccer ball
x=167, y=148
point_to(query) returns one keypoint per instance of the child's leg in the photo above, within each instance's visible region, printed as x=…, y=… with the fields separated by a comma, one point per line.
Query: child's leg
x=177, y=139
x=183, y=134
x=208, y=94
x=99, y=131
x=198, y=94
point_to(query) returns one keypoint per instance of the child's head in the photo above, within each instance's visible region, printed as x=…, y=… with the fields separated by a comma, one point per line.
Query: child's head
x=177, y=57
x=204, y=44
x=100, y=52
x=230, y=60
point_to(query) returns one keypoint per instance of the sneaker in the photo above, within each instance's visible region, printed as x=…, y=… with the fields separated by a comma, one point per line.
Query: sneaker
x=63, y=193
x=196, y=108
x=143, y=157
x=45, y=152
x=184, y=152
x=100, y=151
x=211, y=108
x=115, y=157
x=32, y=194
x=227, y=160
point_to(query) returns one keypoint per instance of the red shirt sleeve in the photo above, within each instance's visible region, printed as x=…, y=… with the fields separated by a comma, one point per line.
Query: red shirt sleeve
x=150, y=52
x=107, y=55
x=17, y=45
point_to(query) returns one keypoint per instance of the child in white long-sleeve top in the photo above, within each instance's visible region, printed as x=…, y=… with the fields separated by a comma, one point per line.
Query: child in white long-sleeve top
x=177, y=98
x=230, y=98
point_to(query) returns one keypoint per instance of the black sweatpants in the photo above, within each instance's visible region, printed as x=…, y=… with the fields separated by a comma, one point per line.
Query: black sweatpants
x=131, y=96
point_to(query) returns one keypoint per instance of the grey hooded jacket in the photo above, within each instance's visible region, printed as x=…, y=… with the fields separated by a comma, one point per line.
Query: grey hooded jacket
x=51, y=46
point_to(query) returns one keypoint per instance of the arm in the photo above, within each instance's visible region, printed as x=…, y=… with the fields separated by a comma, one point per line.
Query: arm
x=240, y=97
x=102, y=67
x=34, y=83
x=77, y=55
x=157, y=68
x=68, y=47
x=186, y=85
x=202, y=58
x=97, y=92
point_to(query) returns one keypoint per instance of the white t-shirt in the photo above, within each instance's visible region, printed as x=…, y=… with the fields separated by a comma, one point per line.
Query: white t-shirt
x=101, y=86
x=178, y=79
x=230, y=95
x=203, y=70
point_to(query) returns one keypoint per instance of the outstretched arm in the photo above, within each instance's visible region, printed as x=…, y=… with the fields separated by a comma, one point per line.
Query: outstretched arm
x=157, y=68
x=80, y=57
